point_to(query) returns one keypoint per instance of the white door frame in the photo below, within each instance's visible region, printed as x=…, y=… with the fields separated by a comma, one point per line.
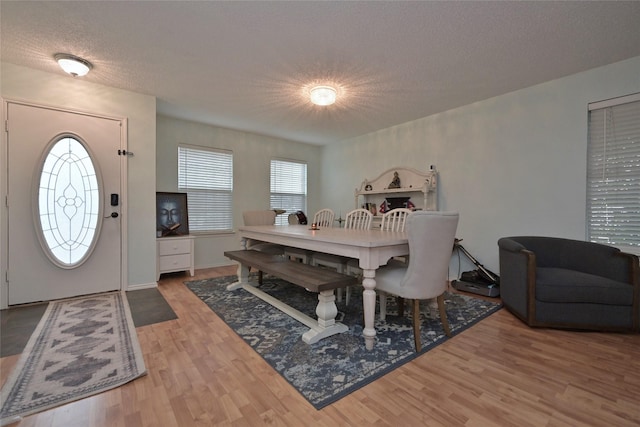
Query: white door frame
x=4, y=244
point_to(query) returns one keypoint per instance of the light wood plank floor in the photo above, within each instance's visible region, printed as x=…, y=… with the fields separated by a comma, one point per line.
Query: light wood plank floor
x=497, y=373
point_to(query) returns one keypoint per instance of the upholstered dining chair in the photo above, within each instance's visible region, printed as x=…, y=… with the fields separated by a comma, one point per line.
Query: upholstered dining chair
x=323, y=219
x=265, y=217
x=431, y=236
x=357, y=219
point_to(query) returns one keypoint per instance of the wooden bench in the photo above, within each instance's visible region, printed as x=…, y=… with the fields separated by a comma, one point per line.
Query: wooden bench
x=314, y=279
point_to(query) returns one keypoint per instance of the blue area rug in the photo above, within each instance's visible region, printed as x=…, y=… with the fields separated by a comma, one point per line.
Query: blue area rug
x=336, y=366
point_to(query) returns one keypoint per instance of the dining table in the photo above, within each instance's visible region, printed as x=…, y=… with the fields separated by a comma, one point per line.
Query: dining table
x=372, y=248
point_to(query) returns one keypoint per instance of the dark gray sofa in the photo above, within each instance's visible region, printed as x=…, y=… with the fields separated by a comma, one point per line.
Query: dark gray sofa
x=572, y=284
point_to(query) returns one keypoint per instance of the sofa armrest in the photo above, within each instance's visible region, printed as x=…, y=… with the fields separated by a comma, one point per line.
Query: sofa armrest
x=517, y=277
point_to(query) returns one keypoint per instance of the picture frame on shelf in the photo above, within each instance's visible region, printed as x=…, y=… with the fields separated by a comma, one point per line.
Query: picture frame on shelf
x=172, y=215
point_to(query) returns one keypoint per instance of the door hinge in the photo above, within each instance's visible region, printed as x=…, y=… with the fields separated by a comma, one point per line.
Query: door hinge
x=6, y=125
x=6, y=201
x=125, y=153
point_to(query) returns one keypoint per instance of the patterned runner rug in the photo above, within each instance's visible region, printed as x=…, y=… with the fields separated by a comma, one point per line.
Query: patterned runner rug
x=81, y=347
x=336, y=366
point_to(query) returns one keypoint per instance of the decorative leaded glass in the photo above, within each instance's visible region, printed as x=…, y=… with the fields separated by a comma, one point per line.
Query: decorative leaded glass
x=68, y=203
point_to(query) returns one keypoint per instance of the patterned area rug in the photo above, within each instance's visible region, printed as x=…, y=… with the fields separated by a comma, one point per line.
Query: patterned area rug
x=336, y=366
x=81, y=347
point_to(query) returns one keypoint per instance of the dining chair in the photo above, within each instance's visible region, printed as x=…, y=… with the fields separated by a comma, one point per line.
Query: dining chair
x=357, y=219
x=264, y=217
x=431, y=236
x=323, y=219
x=393, y=220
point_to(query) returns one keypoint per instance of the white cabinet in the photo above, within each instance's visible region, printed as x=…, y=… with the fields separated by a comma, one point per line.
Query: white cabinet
x=420, y=188
x=174, y=254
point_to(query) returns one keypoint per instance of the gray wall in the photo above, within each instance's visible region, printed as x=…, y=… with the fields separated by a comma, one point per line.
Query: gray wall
x=511, y=165
x=252, y=155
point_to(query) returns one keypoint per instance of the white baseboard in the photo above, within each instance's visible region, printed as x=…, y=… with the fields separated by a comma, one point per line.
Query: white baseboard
x=142, y=286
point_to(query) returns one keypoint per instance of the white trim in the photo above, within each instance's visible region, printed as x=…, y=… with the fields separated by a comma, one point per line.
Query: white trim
x=614, y=101
x=140, y=286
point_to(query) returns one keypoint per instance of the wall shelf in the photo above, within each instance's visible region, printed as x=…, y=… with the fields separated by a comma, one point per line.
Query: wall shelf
x=421, y=187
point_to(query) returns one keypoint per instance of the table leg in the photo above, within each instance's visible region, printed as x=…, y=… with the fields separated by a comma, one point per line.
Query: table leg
x=243, y=278
x=369, y=307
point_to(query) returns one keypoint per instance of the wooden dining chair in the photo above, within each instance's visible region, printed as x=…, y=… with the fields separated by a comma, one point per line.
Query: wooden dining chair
x=393, y=220
x=323, y=219
x=431, y=237
x=264, y=217
x=357, y=219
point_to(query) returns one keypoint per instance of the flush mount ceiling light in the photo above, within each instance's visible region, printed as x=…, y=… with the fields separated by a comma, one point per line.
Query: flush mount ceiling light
x=72, y=64
x=323, y=95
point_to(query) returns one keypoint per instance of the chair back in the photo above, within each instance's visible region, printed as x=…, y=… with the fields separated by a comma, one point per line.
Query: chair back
x=358, y=219
x=431, y=236
x=266, y=217
x=324, y=218
x=395, y=219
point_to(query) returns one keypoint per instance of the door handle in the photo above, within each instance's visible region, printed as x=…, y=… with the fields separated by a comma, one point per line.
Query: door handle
x=112, y=215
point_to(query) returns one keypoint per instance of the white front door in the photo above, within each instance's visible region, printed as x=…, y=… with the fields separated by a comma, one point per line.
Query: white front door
x=64, y=236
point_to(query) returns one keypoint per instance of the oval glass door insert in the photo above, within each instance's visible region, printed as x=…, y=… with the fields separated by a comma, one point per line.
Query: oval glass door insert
x=68, y=203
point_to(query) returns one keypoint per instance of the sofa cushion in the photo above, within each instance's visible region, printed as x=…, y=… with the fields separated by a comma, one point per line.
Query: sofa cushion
x=569, y=286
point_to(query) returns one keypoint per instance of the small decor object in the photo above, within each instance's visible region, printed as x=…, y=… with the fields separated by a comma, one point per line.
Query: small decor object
x=395, y=183
x=383, y=207
x=397, y=202
x=368, y=187
x=172, y=218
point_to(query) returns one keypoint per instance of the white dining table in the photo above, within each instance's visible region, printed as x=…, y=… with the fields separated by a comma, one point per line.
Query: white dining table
x=373, y=248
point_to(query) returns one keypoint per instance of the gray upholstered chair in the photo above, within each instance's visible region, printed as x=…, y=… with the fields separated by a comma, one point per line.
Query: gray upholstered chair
x=570, y=284
x=431, y=236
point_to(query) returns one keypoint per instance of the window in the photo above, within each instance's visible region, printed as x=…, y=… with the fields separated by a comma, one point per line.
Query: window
x=288, y=187
x=206, y=175
x=613, y=172
x=68, y=203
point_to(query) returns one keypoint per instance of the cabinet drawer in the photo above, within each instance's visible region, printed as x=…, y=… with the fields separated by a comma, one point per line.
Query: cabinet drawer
x=173, y=247
x=175, y=262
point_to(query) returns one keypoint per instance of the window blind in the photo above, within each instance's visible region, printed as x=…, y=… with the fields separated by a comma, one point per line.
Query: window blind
x=613, y=172
x=288, y=187
x=206, y=175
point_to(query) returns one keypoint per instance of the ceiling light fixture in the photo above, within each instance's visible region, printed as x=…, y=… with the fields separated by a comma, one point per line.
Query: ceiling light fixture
x=72, y=64
x=323, y=95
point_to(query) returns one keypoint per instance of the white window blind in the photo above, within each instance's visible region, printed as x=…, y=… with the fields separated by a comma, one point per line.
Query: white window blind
x=288, y=187
x=206, y=175
x=613, y=172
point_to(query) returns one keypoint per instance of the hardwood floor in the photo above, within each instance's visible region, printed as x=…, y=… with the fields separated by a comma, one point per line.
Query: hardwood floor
x=497, y=373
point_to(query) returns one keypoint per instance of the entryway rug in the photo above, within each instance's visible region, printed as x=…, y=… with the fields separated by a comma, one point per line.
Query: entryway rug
x=332, y=368
x=81, y=347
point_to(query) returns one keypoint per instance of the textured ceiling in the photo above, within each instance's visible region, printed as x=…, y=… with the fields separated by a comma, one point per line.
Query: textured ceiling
x=246, y=65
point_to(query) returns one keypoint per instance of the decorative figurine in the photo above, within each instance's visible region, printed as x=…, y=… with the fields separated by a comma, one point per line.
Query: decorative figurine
x=396, y=181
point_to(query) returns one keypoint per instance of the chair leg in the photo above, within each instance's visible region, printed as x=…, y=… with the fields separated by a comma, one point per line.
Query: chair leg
x=400, y=303
x=443, y=315
x=260, y=277
x=383, y=305
x=416, y=324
